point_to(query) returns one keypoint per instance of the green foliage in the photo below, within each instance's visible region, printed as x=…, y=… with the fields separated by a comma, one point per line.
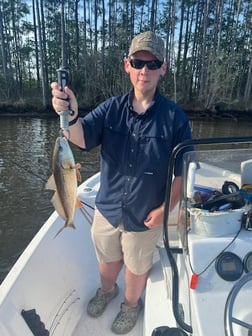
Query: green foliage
x=208, y=48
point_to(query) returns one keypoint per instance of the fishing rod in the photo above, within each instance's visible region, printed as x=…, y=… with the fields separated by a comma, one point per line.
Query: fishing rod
x=64, y=75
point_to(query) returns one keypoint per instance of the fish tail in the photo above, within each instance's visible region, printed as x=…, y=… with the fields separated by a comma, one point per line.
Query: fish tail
x=71, y=224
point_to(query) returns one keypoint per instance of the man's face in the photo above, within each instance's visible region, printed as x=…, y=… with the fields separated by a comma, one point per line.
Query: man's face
x=144, y=80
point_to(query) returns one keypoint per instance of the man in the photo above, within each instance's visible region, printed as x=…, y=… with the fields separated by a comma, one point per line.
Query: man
x=137, y=132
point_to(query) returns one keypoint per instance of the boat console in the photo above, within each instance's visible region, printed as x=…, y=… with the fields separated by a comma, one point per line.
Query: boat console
x=211, y=270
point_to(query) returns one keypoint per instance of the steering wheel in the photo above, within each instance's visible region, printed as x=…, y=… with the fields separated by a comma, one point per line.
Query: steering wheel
x=228, y=315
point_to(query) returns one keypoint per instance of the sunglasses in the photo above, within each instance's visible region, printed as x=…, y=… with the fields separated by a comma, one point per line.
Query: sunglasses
x=151, y=65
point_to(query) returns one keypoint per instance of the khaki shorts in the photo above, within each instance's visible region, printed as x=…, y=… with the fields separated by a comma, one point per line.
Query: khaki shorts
x=136, y=249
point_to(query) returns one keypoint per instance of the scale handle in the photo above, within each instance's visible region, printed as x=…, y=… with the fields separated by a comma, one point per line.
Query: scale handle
x=64, y=79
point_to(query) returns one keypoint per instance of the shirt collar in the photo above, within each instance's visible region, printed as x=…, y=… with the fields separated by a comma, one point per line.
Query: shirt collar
x=152, y=105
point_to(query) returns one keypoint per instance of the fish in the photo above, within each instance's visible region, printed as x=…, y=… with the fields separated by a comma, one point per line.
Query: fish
x=64, y=181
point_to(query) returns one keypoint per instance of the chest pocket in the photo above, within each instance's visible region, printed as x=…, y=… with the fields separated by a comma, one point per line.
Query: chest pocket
x=114, y=145
x=154, y=152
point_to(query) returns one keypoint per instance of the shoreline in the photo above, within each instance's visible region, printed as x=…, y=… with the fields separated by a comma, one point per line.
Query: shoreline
x=48, y=113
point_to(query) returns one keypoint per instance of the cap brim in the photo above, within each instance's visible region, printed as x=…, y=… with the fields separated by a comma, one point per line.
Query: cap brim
x=158, y=56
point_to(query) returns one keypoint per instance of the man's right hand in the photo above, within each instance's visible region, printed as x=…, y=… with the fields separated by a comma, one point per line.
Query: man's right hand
x=64, y=100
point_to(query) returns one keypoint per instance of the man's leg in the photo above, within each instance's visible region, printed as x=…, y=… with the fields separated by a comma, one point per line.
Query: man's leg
x=109, y=289
x=134, y=287
x=138, y=249
x=109, y=273
x=132, y=305
x=106, y=240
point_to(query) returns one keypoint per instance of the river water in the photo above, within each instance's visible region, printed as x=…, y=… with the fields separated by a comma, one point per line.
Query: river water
x=26, y=146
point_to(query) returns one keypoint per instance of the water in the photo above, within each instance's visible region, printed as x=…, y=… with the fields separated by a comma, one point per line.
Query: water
x=25, y=164
x=26, y=147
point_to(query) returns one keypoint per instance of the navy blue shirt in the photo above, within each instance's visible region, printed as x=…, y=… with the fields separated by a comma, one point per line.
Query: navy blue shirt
x=135, y=150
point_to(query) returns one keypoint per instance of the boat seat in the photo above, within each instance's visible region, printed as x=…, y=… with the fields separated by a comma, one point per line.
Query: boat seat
x=34, y=323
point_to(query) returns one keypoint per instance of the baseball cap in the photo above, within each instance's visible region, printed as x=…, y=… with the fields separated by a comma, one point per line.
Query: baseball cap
x=148, y=41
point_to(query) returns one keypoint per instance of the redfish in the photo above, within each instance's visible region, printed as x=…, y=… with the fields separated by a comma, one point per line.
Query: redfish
x=65, y=174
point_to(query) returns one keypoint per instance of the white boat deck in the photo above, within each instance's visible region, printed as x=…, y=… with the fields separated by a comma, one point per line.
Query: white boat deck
x=58, y=276
x=155, y=315
x=101, y=326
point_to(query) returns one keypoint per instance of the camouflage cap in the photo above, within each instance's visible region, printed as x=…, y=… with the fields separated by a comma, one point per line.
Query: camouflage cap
x=148, y=41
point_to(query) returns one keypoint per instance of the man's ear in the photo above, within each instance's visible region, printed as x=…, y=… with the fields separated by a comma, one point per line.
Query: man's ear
x=127, y=65
x=163, y=69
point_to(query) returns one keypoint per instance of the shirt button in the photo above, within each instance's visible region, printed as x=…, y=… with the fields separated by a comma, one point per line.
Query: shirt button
x=130, y=165
x=125, y=194
x=132, y=150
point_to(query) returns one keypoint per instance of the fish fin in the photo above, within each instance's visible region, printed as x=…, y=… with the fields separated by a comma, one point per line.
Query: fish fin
x=50, y=184
x=63, y=227
x=77, y=166
x=78, y=174
x=58, y=205
x=78, y=203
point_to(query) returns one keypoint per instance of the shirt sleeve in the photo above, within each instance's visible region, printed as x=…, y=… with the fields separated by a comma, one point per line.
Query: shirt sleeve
x=93, y=125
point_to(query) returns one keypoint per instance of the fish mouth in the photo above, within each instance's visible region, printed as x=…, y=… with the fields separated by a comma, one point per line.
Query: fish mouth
x=61, y=141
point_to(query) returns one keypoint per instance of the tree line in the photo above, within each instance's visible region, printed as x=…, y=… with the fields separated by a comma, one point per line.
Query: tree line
x=208, y=49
